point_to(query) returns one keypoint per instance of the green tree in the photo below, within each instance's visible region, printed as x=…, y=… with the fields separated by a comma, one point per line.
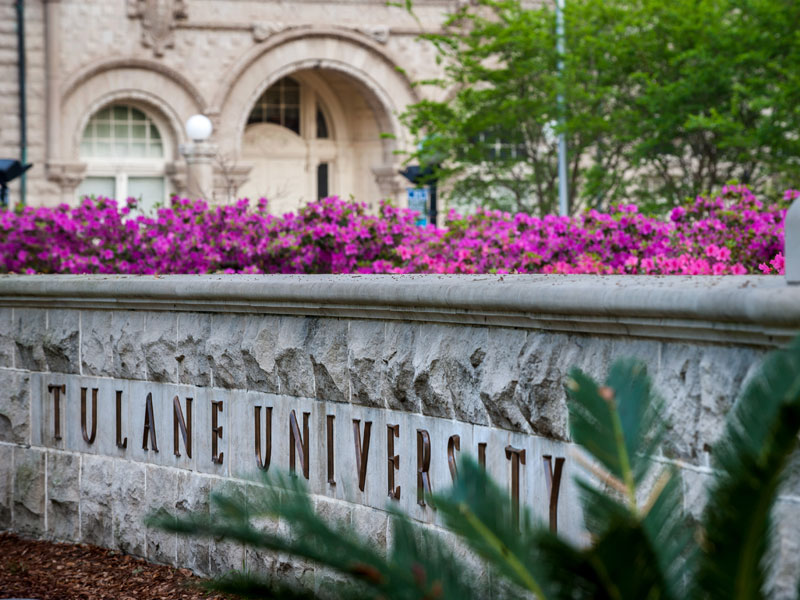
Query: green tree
x=642, y=545
x=663, y=99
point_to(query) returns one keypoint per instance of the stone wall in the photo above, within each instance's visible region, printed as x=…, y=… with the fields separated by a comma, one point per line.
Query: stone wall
x=484, y=358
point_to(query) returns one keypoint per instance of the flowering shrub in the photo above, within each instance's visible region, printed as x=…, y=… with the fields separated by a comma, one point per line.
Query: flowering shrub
x=734, y=233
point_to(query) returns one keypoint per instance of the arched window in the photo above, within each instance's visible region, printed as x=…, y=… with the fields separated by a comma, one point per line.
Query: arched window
x=125, y=155
x=291, y=141
x=280, y=105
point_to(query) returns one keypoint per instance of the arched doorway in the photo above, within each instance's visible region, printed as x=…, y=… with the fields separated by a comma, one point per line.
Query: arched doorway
x=358, y=91
x=291, y=142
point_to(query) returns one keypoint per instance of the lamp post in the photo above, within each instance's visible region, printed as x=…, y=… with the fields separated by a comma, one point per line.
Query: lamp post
x=199, y=155
x=563, y=207
x=791, y=250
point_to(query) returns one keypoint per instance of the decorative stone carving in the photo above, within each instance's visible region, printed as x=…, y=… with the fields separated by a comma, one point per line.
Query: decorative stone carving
x=158, y=21
x=388, y=180
x=262, y=31
x=379, y=33
x=178, y=177
x=68, y=175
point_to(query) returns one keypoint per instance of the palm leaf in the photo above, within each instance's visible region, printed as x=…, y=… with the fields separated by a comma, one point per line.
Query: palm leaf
x=478, y=511
x=618, y=424
x=759, y=438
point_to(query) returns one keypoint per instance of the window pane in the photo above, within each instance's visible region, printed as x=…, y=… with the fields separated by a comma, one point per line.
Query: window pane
x=104, y=114
x=138, y=149
x=97, y=186
x=291, y=118
x=114, y=136
x=137, y=115
x=272, y=95
x=322, y=181
x=274, y=115
x=149, y=191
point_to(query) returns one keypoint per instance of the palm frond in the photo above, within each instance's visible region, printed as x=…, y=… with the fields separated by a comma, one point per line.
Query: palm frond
x=482, y=514
x=618, y=424
x=750, y=458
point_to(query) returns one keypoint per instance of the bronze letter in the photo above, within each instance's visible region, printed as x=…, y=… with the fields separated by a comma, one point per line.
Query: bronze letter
x=89, y=439
x=178, y=422
x=120, y=442
x=553, y=479
x=300, y=442
x=329, y=420
x=482, y=455
x=453, y=444
x=516, y=456
x=57, y=390
x=149, y=424
x=362, y=452
x=263, y=464
x=216, y=432
x=423, y=465
x=393, y=431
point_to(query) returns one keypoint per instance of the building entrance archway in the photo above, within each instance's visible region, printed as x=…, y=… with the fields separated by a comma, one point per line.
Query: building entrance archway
x=356, y=92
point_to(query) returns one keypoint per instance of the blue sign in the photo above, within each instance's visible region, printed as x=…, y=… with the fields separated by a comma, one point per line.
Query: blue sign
x=418, y=201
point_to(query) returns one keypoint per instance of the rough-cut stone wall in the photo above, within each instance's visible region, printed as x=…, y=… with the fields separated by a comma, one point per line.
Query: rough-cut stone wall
x=507, y=381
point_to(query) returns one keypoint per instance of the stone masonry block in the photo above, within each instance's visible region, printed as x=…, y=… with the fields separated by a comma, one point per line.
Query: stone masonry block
x=259, y=345
x=159, y=344
x=29, y=333
x=29, y=491
x=15, y=406
x=60, y=343
x=6, y=485
x=365, y=362
x=7, y=345
x=63, y=496
x=128, y=507
x=97, y=497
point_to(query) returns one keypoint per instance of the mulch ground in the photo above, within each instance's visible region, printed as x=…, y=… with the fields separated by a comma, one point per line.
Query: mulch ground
x=49, y=571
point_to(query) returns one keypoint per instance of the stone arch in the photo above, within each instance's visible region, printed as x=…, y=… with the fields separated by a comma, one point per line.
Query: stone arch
x=164, y=94
x=384, y=88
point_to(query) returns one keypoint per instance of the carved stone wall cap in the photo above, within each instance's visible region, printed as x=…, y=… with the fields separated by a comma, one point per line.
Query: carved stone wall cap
x=753, y=310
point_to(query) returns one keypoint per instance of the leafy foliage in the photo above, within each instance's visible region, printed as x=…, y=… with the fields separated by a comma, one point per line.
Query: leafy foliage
x=663, y=99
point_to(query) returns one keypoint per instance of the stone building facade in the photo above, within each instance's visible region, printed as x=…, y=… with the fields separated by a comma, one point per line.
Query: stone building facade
x=304, y=95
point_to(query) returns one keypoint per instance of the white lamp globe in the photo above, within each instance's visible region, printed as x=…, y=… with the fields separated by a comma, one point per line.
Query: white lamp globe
x=199, y=128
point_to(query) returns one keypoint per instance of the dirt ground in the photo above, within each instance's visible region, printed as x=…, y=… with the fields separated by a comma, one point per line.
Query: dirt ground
x=50, y=571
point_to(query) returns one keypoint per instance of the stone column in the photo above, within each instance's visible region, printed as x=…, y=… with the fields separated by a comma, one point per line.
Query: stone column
x=791, y=233
x=200, y=157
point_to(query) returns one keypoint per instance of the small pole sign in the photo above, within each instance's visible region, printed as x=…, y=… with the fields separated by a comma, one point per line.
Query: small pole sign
x=418, y=201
